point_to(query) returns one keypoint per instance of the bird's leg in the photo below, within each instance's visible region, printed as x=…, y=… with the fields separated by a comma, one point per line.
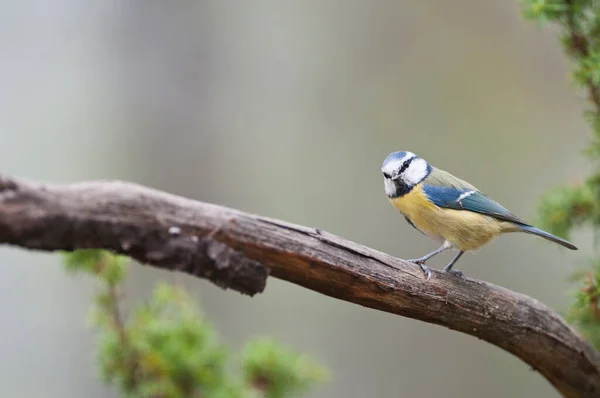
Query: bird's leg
x=448, y=268
x=421, y=260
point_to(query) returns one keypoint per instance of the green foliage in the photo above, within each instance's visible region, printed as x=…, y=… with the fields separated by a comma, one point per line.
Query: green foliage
x=567, y=208
x=543, y=10
x=588, y=70
x=110, y=268
x=167, y=348
x=585, y=313
x=278, y=370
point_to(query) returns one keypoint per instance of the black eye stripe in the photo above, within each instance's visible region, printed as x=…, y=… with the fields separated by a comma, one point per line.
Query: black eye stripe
x=405, y=165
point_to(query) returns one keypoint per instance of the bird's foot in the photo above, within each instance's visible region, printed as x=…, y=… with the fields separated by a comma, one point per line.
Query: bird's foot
x=456, y=272
x=427, y=271
x=421, y=263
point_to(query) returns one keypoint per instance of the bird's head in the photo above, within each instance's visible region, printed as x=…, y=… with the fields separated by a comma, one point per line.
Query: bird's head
x=402, y=171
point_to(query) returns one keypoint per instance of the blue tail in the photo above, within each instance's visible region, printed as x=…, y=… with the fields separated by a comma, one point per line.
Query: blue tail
x=536, y=231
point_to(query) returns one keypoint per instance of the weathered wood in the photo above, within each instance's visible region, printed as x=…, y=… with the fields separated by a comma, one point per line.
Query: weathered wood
x=238, y=250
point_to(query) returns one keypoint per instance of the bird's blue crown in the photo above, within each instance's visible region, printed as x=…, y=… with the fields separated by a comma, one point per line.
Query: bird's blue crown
x=394, y=157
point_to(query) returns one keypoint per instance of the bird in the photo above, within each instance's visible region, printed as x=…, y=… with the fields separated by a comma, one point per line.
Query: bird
x=448, y=209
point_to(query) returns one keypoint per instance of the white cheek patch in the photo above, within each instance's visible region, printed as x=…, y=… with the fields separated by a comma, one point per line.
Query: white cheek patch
x=416, y=172
x=390, y=187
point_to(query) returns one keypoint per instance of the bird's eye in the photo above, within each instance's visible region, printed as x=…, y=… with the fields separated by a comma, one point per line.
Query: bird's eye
x=386, y=175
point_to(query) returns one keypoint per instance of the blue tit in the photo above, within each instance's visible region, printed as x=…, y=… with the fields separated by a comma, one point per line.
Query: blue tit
x=448, y=209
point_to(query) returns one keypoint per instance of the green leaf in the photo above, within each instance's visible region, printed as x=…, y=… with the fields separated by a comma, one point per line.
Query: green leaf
x=110, y=267
x=543, y=11
x=565, y=207
x=83, y=260
x=278, y=371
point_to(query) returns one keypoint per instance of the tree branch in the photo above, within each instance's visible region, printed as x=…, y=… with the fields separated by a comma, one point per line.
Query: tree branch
x=238, y=250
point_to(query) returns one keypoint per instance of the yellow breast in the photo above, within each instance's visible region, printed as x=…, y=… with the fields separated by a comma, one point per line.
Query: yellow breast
x=466, y=230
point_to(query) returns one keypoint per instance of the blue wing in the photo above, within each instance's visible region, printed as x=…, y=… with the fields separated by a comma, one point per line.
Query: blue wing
x=458, y=198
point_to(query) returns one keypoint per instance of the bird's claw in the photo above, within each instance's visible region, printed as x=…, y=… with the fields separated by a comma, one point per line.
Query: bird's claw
x=427, y=271
x=425, y=268
x=456, y=272
x=421, y=262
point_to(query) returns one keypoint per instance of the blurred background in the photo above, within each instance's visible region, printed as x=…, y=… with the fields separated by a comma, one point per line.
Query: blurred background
x=287, y=109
